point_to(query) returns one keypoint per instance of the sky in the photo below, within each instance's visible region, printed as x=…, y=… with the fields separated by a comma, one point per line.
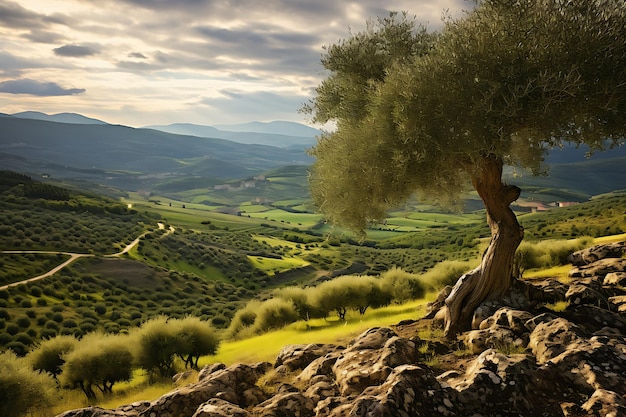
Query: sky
x=156, y=62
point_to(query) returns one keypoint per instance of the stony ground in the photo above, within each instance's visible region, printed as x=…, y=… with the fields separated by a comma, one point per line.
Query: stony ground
x=521, y=359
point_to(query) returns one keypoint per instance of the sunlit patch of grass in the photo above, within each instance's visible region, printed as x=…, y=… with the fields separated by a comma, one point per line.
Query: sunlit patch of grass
x=560, y=271
x=139, y=393
x=558, y=306
x=266, y=347
x=610, y=239
x=273, y=265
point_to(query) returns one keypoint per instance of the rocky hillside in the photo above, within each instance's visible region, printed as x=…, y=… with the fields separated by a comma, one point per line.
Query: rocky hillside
x=521, y=359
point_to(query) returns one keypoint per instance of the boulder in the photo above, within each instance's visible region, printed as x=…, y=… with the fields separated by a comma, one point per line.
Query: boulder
x=605, y=403
x=495, y=381
x=371, y=358
x=594, y=253
x=496, y=336
x=288, y=401
x=598, y=268
x=410, y=390
x=614, y=279
x=216, y=407
x=550, y=339
x=294, y=357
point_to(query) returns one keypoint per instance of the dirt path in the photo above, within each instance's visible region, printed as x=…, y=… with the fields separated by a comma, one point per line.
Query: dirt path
x=74, y=257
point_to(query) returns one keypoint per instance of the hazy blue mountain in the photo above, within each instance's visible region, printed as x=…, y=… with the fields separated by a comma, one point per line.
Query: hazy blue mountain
x=246, y=137
x=73, y=118
x=276, y=127
x=129, y=157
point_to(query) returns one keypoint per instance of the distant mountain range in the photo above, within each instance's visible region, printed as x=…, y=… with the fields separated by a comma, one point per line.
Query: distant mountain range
x=59, y=118
x=71, y=146
x=281, y=134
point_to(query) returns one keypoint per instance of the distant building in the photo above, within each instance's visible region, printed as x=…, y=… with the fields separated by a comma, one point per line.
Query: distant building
x=567, y=203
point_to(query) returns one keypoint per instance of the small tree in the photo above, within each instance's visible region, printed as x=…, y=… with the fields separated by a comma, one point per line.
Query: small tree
x=156, y=345
x=275, y=313
x=300, y=297
x=401, y=285
x=197, y=339
x=21, y=388
x=436, y=113
x=48, y=355
x=98, y=361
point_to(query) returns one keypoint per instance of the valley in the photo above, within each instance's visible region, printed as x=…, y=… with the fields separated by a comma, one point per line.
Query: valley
x=161, y=234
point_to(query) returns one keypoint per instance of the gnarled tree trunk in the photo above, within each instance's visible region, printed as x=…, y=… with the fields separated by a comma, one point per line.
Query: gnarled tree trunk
x=494, y=276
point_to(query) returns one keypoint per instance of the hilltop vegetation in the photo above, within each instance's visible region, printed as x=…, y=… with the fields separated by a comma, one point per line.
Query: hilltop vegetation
x=215, y=263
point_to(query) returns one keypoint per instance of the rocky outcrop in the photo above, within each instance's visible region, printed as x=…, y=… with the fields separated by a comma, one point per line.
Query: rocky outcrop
x=520, y=359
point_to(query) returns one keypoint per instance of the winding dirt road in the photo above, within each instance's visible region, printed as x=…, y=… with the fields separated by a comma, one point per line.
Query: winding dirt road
x=74, y=257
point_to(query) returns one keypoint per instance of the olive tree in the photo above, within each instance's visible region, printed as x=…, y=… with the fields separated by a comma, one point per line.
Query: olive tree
x=23, y=389
x=436, y=113
x=48, y=355
x=99, y=361
x=197, y=338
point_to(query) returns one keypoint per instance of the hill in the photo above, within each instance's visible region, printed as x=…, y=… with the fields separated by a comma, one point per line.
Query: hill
x=273, y=138
x=59, y=117
x=275, y=127
x=129, y=158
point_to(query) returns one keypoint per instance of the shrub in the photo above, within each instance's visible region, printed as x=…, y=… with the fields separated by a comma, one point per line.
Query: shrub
x=401, y=285
x=547, y=253
x=301, y=301
x=22, y=389
x=243, y=318
x=19, y=348
x=69, y=324
x=156, y=344
x=274, y=314
x=12, y=329
x=197, y=338
x=98, y=360
x=23, y=322
x=445, y=273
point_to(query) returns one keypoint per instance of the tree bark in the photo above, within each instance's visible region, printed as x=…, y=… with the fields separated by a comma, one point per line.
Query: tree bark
x=494, y=276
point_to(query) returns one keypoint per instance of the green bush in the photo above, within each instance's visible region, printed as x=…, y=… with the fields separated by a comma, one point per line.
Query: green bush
x=197, y=338
x=48, y=355
x=301, y=299
x=97, y=360
x=401, y=285
x=274, y=314
x=23, y=322
x=156, y=344
x=445, y=273
x=22, y=389
x=548, y=253
x=243, y=319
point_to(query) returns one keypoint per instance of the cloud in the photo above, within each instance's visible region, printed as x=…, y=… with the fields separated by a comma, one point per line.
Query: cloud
x=138, y=55
x=259, y=105
x=37, y=88
x=75, y=50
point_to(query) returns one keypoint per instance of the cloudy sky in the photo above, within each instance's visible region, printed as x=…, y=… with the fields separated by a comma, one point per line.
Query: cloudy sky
x=141, y=62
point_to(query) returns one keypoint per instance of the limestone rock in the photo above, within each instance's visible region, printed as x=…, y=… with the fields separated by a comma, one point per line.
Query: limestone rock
x=294, y=357
x=595, y=253
x=599, y=268
x=288, y=401
x=216, y=407
x=605, y=403
x=615, y=278
x=496, y=381
x=371, y=358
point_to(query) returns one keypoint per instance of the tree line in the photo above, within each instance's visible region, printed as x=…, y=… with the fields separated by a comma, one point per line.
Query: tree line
x=97, y=361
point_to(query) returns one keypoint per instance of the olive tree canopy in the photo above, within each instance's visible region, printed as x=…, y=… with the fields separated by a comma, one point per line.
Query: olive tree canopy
x=435, y=113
